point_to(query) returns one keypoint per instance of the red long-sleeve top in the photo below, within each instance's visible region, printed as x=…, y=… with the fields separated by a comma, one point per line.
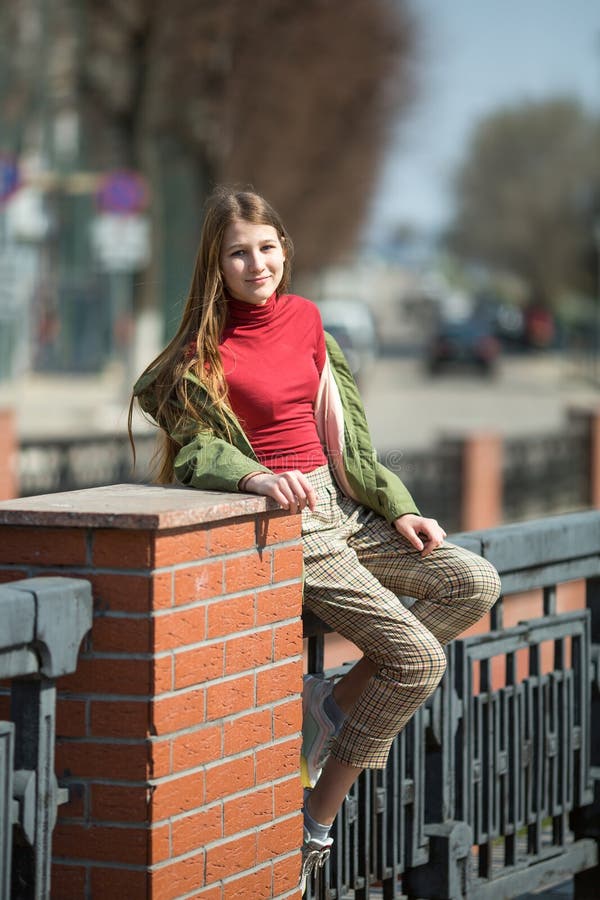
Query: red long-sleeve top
x=273, y=356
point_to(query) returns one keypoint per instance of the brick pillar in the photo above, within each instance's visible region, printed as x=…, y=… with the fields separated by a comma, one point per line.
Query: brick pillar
x=178, y=735
x=482, y=482
x=588, y=420
x=8, y=454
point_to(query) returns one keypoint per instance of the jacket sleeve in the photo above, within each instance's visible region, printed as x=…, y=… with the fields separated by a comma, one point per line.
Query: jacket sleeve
x=394, y=497
x=213, y=464
x=205, y=460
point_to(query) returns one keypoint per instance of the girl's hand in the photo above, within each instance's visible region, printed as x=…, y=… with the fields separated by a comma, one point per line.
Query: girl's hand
x=291, y=490
x=413, y=527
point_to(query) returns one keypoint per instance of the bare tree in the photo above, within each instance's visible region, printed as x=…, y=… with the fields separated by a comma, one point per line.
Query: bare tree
x=527, y=195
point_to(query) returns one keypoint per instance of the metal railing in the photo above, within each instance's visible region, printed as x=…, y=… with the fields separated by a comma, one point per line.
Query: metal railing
x=487, y=792
x=43, y=621
x=51, y=465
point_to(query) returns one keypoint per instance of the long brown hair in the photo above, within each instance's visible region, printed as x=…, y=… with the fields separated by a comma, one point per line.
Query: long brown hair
x=195, y=347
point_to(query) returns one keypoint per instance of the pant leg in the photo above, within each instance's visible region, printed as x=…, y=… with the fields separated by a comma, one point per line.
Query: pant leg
x=356, y=565
x=453, y=587
x=410, y=660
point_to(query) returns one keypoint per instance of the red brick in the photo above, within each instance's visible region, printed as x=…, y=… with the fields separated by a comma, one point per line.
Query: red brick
x=280, y=528
x=287, y=563
x=287, y=795
x=285, y=873
x=248, y=651
x=119, y=549
x=108, y=676
x=287, y=640
x=247, y=731
x=196, y=830
x=248, y=811
x=177, y=628
x=101, y=843
x=247, y=571
x=160, y=758
x=177, y=795
x=197, y=748
x=128, y=762
x=278, y=760
x=8, y=575
x=119, y=803
x=199, y=582
x=119, y=718
x=199, y=665
x=287, y=718
x=210, y=893
x=256, y=885
x=70, y=718
x=278, y=682
x=229, y=777
x=278, y=838
x=176, y=713
x=182, y=876
x=35, y=546
x=162, y=674
x=232, y=537
x=68, y=882
x=278, y=603
x=160, y=843
x=228, y=697
x=117, y=883
x=180, y=545
x=230, y=857
x=121, y=593
x=230, y=616
x=121, y=635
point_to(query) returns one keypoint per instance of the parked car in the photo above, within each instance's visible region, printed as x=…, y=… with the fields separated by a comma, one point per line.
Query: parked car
x=469, y=343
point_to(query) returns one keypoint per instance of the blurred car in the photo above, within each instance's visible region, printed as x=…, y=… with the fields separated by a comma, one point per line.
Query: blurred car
x=352, y=325
x=469, y=343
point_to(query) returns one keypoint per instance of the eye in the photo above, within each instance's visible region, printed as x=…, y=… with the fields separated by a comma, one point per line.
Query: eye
x=268, y=246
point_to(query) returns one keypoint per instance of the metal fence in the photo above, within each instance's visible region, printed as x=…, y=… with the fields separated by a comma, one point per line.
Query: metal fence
x=43, y=623
x=487, y=793
x=48, y=466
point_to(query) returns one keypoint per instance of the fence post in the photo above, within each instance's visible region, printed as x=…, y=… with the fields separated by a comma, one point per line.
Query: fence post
x=179, y=733
x=481, y=497
x=8, y=454
x=591, y=420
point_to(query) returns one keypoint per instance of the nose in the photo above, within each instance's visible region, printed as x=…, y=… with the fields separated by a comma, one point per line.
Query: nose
x=256, y=262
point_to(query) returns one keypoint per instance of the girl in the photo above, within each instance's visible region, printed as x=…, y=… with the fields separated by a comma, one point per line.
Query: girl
x=253, y=396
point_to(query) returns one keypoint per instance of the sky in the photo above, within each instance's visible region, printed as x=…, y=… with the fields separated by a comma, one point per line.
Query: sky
x=475, y=56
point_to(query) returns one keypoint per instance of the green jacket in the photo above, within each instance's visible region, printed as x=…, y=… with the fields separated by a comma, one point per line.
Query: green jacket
x=209, y=460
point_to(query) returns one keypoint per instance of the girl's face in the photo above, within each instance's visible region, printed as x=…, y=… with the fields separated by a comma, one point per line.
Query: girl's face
x=252, y=260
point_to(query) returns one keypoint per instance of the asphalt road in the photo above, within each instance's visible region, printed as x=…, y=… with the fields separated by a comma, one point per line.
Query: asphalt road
x=408, y=409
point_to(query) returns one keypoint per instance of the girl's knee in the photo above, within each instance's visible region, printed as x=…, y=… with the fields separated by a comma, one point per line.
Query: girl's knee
x=487, y=584
x=476, y=579
x=423, y=668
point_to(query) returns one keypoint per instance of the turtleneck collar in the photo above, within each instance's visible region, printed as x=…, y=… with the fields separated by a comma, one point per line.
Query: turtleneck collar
x=241, y=313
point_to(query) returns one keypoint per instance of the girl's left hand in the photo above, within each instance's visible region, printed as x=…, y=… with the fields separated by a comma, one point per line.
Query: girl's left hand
x=413, y=527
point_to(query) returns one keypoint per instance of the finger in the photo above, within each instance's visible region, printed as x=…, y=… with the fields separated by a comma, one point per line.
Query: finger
x=414, y=539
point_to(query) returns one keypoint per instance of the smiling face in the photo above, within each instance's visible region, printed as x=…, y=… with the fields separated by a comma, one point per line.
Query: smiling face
x=252, y=259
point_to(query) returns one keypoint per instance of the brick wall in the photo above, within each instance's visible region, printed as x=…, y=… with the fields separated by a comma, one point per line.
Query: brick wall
x=8, y=453
x=179, y=733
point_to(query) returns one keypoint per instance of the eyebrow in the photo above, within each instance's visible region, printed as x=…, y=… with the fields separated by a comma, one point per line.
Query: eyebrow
x=263, y=240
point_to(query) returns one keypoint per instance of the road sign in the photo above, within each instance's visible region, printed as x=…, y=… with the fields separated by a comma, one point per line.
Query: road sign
x=122, y=192
x=121, y=243
x=9, y=176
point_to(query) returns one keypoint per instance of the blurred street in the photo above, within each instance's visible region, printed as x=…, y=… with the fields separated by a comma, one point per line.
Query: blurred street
x=407, y=409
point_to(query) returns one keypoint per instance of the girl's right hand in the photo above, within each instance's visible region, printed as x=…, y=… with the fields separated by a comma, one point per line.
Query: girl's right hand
x=291, y=490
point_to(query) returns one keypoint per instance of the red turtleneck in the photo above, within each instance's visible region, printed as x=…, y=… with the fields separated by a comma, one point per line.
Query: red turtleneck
x=273, y=356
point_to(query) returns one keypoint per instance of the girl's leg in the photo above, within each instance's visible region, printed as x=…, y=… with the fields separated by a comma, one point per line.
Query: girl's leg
x=351, y=685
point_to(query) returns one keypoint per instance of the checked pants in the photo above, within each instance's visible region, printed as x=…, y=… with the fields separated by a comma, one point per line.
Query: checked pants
x=356, y=567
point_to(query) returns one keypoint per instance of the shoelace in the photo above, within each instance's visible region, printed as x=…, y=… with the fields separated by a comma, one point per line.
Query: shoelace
x=315, y=859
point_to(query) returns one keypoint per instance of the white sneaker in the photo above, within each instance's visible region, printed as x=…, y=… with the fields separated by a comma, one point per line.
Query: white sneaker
x=314, y=856
x=317, y=728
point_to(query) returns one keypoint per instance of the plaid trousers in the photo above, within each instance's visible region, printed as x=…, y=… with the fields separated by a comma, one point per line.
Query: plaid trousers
x=356, y=566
